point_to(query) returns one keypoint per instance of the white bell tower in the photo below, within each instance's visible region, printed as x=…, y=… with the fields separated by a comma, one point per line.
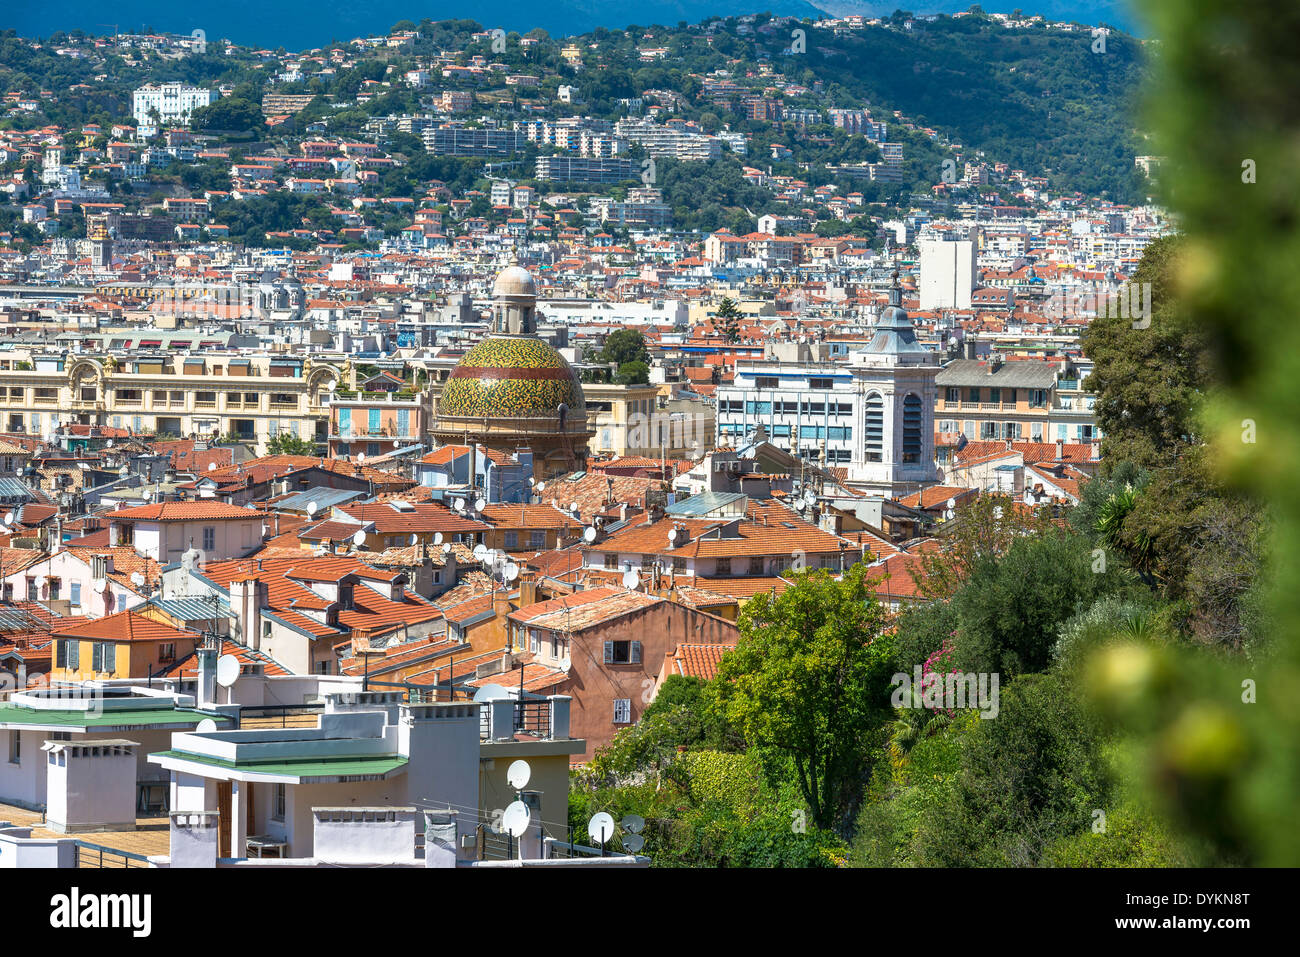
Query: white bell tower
x=894, y=378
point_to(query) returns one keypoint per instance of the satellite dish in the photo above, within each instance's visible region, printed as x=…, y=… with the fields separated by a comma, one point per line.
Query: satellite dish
x=491, y=692
x=518, y=773
x=952, y=504
x=600, y=828
x=437, y=538
x=457, y=505
x=206, y=726
x=414, y=539
x=190, y=557
x=109, y=443
x=137, y=579
x=541, y=486
x=573, y=507
x=148, y=495
x=481, y=552
x=41, y=581
x=588, y=534
x=9, y=518
x=510, y=572
x=446, y=548
x=359, y=538
x=361, y=458
x=212, y=466
x=99, y=586
x=227, y=670
x=672, y=534
x=311, y=509
x=632, y=823
x=517, y=818
x=631, y=579
x=565, y=664
x=479, y=503
x=633, y=843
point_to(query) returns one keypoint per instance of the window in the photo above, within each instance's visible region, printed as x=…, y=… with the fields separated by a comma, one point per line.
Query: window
x=1038, y=398
x=209, y=538
x=512, y=539
x=622, y=652
x=723, y=566
x=767, y=382
x=167, y=651
x=31, y=590
x=56, y=586
x=973, y=394
x=16, y=746
x=537, y=540
x=756, y=565
x=995, y=395
x=611, y=562
x=622, y=711
x=912, y=419
x=952, y=394
x=278, y=802
x=820, y=384
x=75, y=597
x=102, y=657
x=679, y=563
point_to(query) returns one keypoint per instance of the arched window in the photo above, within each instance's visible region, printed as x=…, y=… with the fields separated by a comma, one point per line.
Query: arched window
x=912, y=421
x=875, y=427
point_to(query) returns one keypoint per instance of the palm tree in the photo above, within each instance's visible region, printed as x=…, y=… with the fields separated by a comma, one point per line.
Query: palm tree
x=913, y=724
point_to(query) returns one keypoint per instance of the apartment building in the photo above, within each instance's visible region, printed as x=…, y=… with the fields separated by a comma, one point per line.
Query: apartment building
x=808, y=407
x=997, y=399
x=253, y=397
x=377, y=425
x=566, y=168
x=172, y=102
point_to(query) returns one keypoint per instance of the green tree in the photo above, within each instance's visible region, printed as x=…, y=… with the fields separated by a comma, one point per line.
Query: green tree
x=809, y=683
x=727, y=319
x=285, y=443
x=1148, y=379
x=229, y=114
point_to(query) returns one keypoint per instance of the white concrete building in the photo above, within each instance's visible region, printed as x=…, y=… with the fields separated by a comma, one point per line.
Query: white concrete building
x=173, y=102
x=948, y=273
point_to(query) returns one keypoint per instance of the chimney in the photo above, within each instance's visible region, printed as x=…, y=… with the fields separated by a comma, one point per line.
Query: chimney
x=207, y=690
x=527, y=587
x=1060, y=449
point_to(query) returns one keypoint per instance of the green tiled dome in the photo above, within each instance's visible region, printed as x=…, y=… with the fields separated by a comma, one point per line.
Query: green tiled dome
x=512, y=376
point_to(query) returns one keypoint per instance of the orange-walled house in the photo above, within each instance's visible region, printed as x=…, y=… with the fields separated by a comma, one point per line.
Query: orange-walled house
x=125, y=645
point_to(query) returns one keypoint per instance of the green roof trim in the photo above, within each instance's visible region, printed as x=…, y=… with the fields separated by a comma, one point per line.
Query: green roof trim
x=370, y=764
x=136, y=718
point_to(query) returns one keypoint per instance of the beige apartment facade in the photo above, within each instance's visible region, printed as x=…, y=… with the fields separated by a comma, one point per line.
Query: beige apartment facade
x=251, y=397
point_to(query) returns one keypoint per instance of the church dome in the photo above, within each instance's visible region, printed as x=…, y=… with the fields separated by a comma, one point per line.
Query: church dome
x=513, y=376
x=514, y=281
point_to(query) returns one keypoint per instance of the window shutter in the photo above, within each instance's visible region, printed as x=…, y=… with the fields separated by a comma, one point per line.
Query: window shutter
x=61, y=654
x=609, y=652
x=635, y=655
x=96, y=656
x=74, y=655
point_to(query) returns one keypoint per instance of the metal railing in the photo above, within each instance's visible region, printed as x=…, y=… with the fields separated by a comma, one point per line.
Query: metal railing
x=533, y=716
x=280, y=716
x=97, y=855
